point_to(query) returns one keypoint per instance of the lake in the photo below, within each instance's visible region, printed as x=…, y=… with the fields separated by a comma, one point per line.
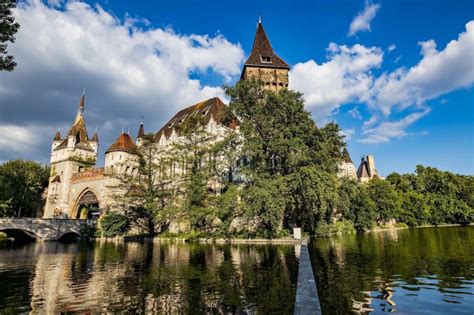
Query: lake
x=419, y=271
x=426, y=270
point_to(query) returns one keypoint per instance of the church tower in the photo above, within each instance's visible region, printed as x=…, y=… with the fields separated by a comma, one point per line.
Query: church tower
x=69, y=155
x=263, y=64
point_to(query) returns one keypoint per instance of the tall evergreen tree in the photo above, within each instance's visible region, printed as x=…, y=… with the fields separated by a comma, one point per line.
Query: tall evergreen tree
x=8, y=29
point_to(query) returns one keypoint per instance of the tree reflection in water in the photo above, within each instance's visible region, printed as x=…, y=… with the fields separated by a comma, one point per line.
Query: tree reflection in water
x=425, y=270
x=148, y=277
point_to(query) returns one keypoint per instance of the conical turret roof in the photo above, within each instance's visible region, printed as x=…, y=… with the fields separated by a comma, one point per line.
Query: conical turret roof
x=57, y=136
x=124, y=143
x=262, y=54
x=345, y=156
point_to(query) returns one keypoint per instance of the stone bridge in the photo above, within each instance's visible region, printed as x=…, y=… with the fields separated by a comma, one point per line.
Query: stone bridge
x=43, y=229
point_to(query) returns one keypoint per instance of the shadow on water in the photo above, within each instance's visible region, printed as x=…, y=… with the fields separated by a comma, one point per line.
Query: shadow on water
x=426, y=269
x=70, y=237
x=16, y=238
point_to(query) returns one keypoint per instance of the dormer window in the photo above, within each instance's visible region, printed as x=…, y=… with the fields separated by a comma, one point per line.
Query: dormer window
x=266, y=59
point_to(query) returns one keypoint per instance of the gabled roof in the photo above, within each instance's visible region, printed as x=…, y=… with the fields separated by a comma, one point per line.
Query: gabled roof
x=262, y=48
x=212, y=107
x=123, y=144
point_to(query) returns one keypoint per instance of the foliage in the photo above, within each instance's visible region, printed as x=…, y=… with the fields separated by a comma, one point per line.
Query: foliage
x=338, y=228
x=386, y=200
x=113, y=224
x=138, y=193
x=290, y=174
x=8, y=29
x=22, y=184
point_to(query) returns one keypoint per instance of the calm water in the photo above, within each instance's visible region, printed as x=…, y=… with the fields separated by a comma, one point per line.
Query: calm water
x=420, y=271
x=148, y=278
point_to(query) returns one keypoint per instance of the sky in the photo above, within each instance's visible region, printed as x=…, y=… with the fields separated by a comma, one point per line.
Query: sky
x=397, y=76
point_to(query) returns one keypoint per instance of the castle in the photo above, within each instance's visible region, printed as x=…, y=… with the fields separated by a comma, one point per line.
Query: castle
x=75, y=184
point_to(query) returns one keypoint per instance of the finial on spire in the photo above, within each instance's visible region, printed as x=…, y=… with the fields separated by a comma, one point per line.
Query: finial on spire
x=81, y=102
x=260, y=18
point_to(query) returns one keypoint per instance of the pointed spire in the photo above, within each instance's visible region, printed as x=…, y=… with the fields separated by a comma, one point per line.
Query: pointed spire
x=141, y=130
x=81, y=102
x=345, y=156
x=262, y=54
x=95, y=137
x=57, y=136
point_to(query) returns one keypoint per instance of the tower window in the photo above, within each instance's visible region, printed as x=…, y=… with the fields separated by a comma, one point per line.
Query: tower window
x=266, y=59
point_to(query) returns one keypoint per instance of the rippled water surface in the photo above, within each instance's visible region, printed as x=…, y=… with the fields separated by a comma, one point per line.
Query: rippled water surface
x=420, y=271
x=148, y=278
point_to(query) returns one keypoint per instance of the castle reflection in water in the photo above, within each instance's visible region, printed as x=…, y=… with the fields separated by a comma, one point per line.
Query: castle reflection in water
x=148, y=277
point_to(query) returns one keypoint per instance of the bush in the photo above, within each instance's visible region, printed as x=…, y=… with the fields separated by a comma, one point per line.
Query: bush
x=114, y=224
x=338, y=228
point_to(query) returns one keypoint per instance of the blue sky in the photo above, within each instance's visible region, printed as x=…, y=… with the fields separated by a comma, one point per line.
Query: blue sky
x=392, y=66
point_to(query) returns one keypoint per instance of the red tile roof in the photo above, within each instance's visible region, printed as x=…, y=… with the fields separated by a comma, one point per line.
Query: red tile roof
x=124, y=144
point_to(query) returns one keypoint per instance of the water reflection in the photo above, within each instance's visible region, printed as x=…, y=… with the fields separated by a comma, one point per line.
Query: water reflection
x=148, y=277
x=422, y=271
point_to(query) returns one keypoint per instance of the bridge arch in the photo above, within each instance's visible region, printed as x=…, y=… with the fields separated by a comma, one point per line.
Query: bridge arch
x=21, y=235
x=88, y=201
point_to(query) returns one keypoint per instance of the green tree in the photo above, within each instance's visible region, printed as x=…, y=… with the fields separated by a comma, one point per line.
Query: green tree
x=386, y=200
x=8, y=29
x=290, y=174
x=22, y=184
x=139, y=194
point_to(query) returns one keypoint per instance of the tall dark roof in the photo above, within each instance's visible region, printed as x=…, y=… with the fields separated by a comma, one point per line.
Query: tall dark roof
x=212, y=107
x=345, y=156
x=57, y=136
x=95, y=137
x=124, y=143
x=263, y=49
x=363, y=170
x=141, y=131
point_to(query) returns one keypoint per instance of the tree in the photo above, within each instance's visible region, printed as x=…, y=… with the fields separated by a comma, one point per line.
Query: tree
x=290, y=174
x=138, y=193
x=22, y=184
x=8, y=29
x=385, y=198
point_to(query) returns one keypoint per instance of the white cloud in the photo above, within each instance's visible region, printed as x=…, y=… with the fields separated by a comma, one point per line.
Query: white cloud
x=344, y=78
x=355, y=113
x=437, y=73
x=361, y=23
x=391, y=47
x=347, y=77
x=391, y=129
x=63, y=47
x=347, y=133
x=19, y=139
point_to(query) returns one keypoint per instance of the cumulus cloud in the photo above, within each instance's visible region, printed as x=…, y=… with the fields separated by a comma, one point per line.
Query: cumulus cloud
x=391, y=48
x=345, y=77
x=392, y=129
x=437, y=73
x=361, y=22
x=348, y=77
x=63, y=47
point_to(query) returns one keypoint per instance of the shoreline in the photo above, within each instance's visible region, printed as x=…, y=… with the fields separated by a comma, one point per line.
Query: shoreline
x=253, y=241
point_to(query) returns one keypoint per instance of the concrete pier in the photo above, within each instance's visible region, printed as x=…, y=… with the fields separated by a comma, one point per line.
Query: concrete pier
x=307, y=299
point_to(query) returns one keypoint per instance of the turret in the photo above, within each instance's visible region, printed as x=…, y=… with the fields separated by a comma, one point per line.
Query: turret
x=122, y=156
x=66, y=159
x=263, y=64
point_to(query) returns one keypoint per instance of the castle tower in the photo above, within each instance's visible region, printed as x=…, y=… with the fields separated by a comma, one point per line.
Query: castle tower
x=69, y=155
x=122, y=157
x=263, y=64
